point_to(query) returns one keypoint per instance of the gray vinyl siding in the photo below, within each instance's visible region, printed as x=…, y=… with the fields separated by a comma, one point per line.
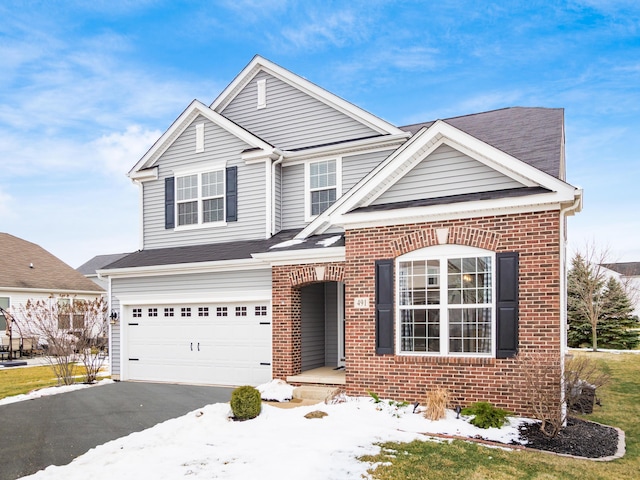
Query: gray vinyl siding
x=444, y=173
x=292, y=119
x=220, y=145
x=331, y=324
x=207, y=283
x=293, y=197
x=355, y=167
x=312, y=329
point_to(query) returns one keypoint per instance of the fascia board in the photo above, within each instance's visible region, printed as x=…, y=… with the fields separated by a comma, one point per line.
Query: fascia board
x=183, y=121
x=186, y=297
x=53, y=291
x=182, y=268
x=483, y=208
x=144, y=174
x=294, y=257
x=258, y=63
x=365, y=146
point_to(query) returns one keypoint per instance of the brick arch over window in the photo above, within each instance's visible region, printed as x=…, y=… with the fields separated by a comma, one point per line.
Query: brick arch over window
x=471, y=237
x=306, y=274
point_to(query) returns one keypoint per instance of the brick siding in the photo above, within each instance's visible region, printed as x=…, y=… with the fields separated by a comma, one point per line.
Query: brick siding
x=501, y=381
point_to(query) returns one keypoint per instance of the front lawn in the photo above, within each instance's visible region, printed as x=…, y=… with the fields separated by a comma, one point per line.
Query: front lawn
x=16, y=381
x=620, y=407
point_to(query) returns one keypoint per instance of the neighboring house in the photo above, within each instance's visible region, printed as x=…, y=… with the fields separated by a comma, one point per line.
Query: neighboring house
x=29, y=272
x=89, y=269
x=628, y=273
x=287, y=233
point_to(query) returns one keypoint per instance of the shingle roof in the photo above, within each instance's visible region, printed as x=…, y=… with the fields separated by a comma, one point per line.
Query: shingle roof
x=533, y=135
x=98, y=262
x=221, y=251
x=27, y=265
x=629, y=269
x=467, y=197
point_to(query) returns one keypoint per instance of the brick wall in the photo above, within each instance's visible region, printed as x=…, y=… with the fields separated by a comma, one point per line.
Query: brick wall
x=501, y=381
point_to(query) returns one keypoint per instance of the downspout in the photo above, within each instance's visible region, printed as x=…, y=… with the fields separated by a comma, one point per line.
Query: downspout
x=273, y=189
x=574, y=207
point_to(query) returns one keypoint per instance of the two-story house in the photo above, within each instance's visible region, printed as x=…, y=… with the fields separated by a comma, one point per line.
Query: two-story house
x=287, y=233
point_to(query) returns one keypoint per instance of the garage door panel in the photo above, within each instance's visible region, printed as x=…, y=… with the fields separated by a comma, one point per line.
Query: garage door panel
x=202, y=348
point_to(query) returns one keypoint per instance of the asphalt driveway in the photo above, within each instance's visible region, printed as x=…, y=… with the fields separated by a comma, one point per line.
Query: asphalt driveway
x=56, y=429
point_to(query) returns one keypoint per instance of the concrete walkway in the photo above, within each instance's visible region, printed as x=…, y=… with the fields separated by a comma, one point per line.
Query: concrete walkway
x=56, y=429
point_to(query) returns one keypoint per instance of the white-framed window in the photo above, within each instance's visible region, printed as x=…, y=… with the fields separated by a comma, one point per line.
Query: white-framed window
x=241, y=311
x=71, y=314
x=221, y=311
x=323, y=185
x=153, y=312
x=200, y=198
x=5, y=303
x=446, y=301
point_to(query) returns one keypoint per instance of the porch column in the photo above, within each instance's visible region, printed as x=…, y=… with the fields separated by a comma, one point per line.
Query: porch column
x=287, y=324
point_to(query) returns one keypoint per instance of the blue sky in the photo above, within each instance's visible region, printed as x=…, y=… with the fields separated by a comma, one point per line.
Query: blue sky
x=87, y=87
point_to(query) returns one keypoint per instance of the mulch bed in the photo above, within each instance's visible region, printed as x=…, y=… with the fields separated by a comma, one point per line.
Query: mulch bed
x=580, y=438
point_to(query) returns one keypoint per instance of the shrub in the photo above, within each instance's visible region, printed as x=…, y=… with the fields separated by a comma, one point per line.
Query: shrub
x=486, y=415
x=245, y=403
x=436, y=404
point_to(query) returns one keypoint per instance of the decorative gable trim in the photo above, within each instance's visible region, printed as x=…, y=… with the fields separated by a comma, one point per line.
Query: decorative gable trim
x=416, y=149
x=259, y=64
x=195, y=109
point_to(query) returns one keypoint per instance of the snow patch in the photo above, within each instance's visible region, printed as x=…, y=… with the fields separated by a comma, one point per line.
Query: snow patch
x=276, y=391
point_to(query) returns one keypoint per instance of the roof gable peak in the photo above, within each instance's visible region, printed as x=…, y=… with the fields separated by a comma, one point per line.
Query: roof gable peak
x=259, y=64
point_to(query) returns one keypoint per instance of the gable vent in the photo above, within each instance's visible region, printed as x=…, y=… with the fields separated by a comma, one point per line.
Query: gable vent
x=262, y=93
x=200, y=137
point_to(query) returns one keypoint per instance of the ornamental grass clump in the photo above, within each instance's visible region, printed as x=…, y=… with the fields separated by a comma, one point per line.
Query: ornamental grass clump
x=436, y=404
x=245, y=403
x=486, y=415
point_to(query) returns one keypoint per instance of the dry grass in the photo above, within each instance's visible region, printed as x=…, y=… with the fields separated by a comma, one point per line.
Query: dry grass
x=436, y=404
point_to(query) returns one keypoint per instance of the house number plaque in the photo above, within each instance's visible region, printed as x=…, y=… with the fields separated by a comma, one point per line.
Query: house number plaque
x=362, y=302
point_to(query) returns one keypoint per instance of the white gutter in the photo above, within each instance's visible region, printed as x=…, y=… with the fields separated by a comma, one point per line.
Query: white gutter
x=272, y=199
x=573, y=208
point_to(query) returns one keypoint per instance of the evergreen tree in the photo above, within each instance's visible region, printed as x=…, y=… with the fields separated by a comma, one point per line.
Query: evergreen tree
x=616, y=328
x=599, y=311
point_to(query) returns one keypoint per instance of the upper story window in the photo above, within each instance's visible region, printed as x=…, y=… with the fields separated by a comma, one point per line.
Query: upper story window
x=200, y=198
x=323, y=185
x=446, y=301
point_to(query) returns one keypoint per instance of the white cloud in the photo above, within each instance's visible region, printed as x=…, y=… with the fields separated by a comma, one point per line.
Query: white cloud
x=119, y=151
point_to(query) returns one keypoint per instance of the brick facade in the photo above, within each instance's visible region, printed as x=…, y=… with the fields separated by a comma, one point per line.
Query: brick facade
x=501, y=381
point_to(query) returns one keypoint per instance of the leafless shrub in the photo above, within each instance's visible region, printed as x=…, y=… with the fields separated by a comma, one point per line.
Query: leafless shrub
x=579, y=372
x=436, y=403
x=543, y=382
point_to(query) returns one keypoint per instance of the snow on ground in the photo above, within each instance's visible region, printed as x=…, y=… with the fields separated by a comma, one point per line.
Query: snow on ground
x=278, y=444
x=44, y=392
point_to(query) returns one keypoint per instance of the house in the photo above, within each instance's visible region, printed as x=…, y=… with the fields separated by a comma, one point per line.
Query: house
x=29, y=272
x=287, y=233
x=628, y=274
x=90, y=268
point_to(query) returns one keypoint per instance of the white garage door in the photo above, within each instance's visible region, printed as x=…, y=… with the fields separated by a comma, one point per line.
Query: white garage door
x=224, y=344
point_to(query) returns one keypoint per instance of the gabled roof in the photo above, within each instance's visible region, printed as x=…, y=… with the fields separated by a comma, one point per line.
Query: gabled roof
x=98, y=262
x=25, y=265
x=532, y=135
x=259, y=64
x=183, y=121
x=535, y=180
x=628, y=269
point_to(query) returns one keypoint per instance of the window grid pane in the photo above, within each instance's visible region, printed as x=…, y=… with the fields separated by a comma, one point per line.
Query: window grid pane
x=188, y=213
x=213, y=210
x=213, y=184
x=321, y=200
x=187, y=187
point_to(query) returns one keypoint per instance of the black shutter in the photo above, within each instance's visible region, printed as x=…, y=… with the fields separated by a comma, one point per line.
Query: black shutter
x=507, y=304
x=169, y=203
x=384, y=307
x=232, y=194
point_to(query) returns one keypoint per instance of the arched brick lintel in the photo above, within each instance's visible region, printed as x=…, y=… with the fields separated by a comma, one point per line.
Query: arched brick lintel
x=471, y=237
x=306, y=274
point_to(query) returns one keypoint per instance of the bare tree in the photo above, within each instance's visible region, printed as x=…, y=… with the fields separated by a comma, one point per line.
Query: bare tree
x=71, y=330
x=586, y=281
